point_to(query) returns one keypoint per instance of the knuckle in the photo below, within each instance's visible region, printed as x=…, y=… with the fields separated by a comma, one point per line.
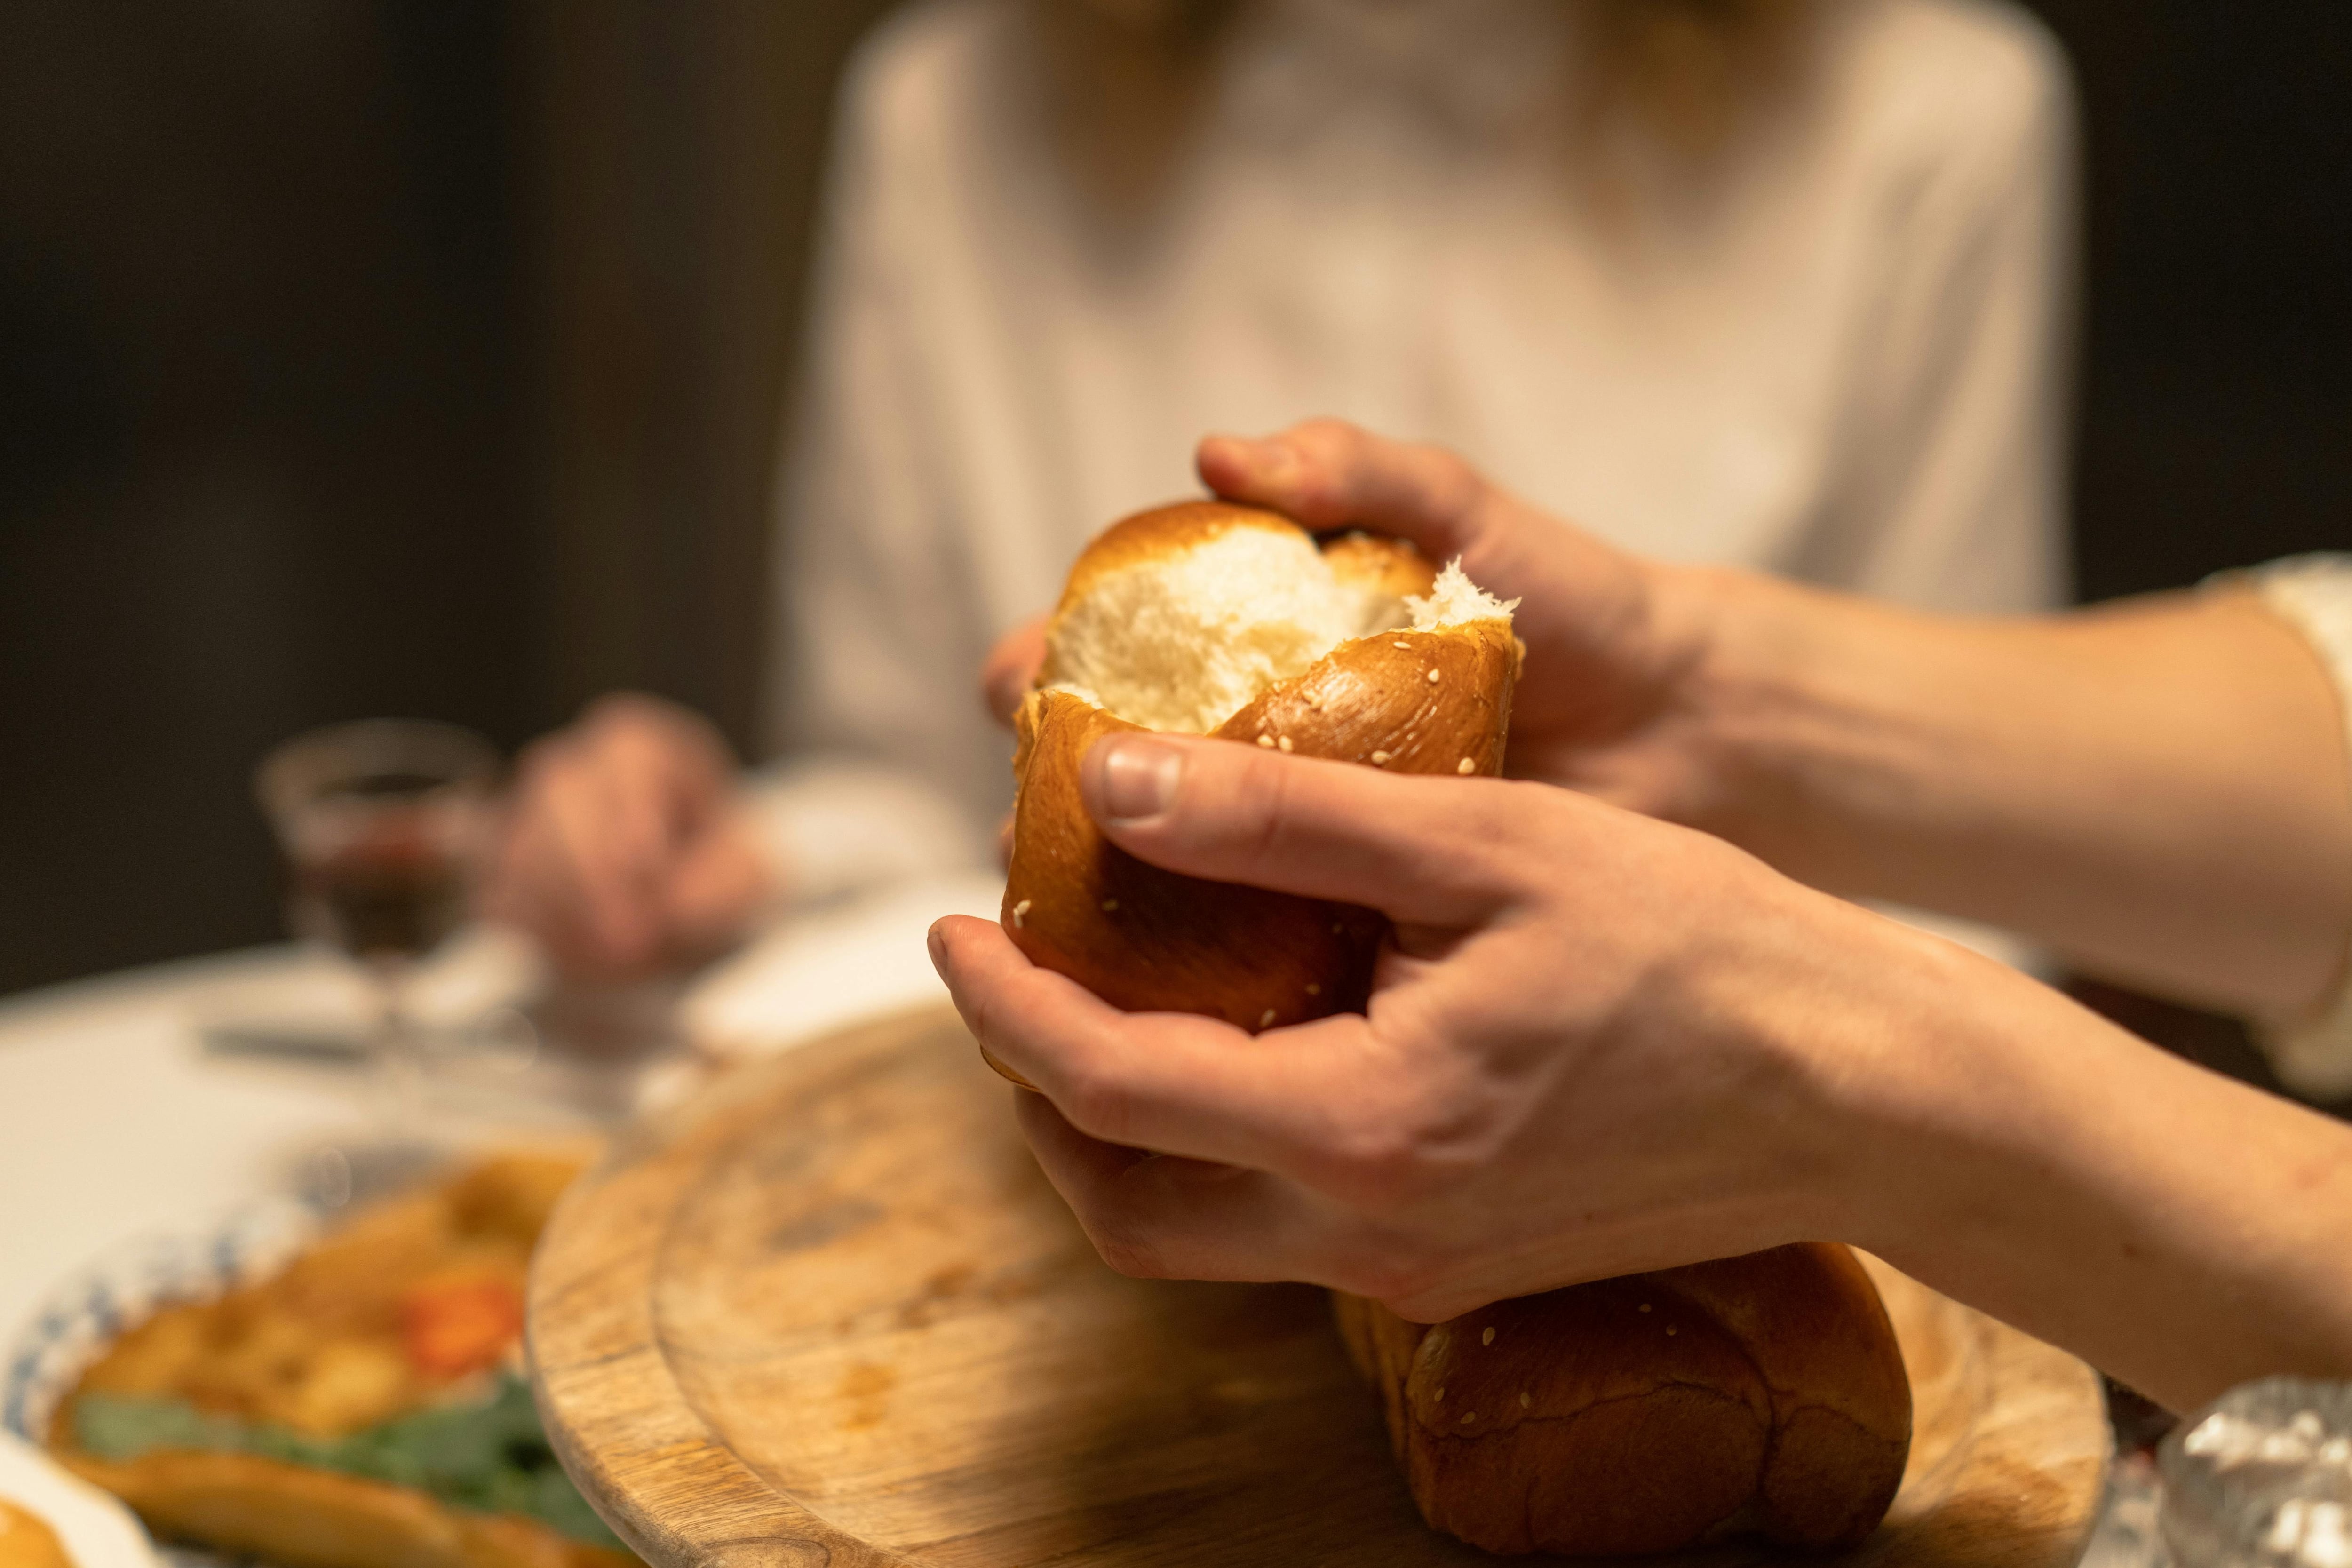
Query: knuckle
x=1454, y=485
x=1093, y=1101
x=979, y=1004
x=1387, y=1274
x=1264, y=810
x=1324, y=438
x=1126, y=1251
x=1381, y=1168
x=1507, y=829
x=1328, y=451
x=1382, y=1180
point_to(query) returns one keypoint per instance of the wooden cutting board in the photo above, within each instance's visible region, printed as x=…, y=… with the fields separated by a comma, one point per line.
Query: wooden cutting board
x=830, y=1313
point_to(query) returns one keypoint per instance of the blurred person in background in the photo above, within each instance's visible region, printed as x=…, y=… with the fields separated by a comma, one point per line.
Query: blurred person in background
x=1777, y=283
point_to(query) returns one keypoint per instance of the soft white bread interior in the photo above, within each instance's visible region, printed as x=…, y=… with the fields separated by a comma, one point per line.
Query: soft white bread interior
x=1181, y=637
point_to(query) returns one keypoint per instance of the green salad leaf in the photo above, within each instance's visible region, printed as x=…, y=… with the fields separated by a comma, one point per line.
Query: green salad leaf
x=491, y=1456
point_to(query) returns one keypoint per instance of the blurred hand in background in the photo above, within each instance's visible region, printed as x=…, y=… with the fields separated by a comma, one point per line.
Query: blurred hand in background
x=626, y=850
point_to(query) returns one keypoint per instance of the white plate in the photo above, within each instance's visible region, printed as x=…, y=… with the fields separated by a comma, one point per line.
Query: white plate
x=78, y=1320
x=131, y=1283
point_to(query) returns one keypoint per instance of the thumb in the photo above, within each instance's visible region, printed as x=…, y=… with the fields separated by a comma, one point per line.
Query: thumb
x=1328, y=474
x=1425, y=851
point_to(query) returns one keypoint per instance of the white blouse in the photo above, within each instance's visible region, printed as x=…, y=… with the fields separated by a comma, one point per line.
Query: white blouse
x=2313, y=593
x=1848, y=368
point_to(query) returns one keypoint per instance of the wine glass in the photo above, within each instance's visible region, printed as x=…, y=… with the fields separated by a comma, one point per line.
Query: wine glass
x=383, y=824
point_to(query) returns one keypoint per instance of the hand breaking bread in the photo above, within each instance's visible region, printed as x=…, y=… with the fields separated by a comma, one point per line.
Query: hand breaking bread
x=1763, y=1395
x=1222, y=620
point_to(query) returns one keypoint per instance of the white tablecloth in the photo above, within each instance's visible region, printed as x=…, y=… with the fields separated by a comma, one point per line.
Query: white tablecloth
x=116, y=1122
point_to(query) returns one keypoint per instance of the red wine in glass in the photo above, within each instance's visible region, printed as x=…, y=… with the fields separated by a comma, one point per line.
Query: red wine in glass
x=383, y=823
x=395, y=890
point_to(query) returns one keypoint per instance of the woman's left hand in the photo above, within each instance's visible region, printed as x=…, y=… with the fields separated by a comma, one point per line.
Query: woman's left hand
x=1598, y=1043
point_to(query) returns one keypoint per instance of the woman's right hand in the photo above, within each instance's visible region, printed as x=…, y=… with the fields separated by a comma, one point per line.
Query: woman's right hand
x=1608, y=699
x=1598, y=1045
x=625, y=852
x=1609, y=702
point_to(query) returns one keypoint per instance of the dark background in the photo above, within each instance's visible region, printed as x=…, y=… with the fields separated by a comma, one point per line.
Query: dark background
x=423, y=358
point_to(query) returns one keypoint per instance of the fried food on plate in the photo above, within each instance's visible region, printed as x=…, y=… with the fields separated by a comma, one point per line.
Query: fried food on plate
x=361, y=1409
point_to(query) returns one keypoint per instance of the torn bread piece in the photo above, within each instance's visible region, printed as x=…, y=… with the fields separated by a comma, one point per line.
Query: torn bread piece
x=1210, y=619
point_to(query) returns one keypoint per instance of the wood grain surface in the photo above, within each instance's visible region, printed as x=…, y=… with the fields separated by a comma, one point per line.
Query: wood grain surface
x=829, y=1314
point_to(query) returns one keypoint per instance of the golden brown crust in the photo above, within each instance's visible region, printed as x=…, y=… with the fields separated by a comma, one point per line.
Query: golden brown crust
x=1644, y=1413
x=1373, y=701
x=1841, y=1399
x=1148, y=940
x=304, y=1517
x=27, y=1542
x=1433, y=701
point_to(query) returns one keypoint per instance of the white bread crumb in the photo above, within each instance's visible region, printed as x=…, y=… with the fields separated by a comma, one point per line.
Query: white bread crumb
x=1455, y=601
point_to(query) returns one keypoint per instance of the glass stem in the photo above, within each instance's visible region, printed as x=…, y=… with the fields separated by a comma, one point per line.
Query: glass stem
x=399, y=1056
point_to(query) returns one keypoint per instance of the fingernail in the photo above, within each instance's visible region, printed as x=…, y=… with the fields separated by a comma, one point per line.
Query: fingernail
x=1138, y=778
x=938, y=942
